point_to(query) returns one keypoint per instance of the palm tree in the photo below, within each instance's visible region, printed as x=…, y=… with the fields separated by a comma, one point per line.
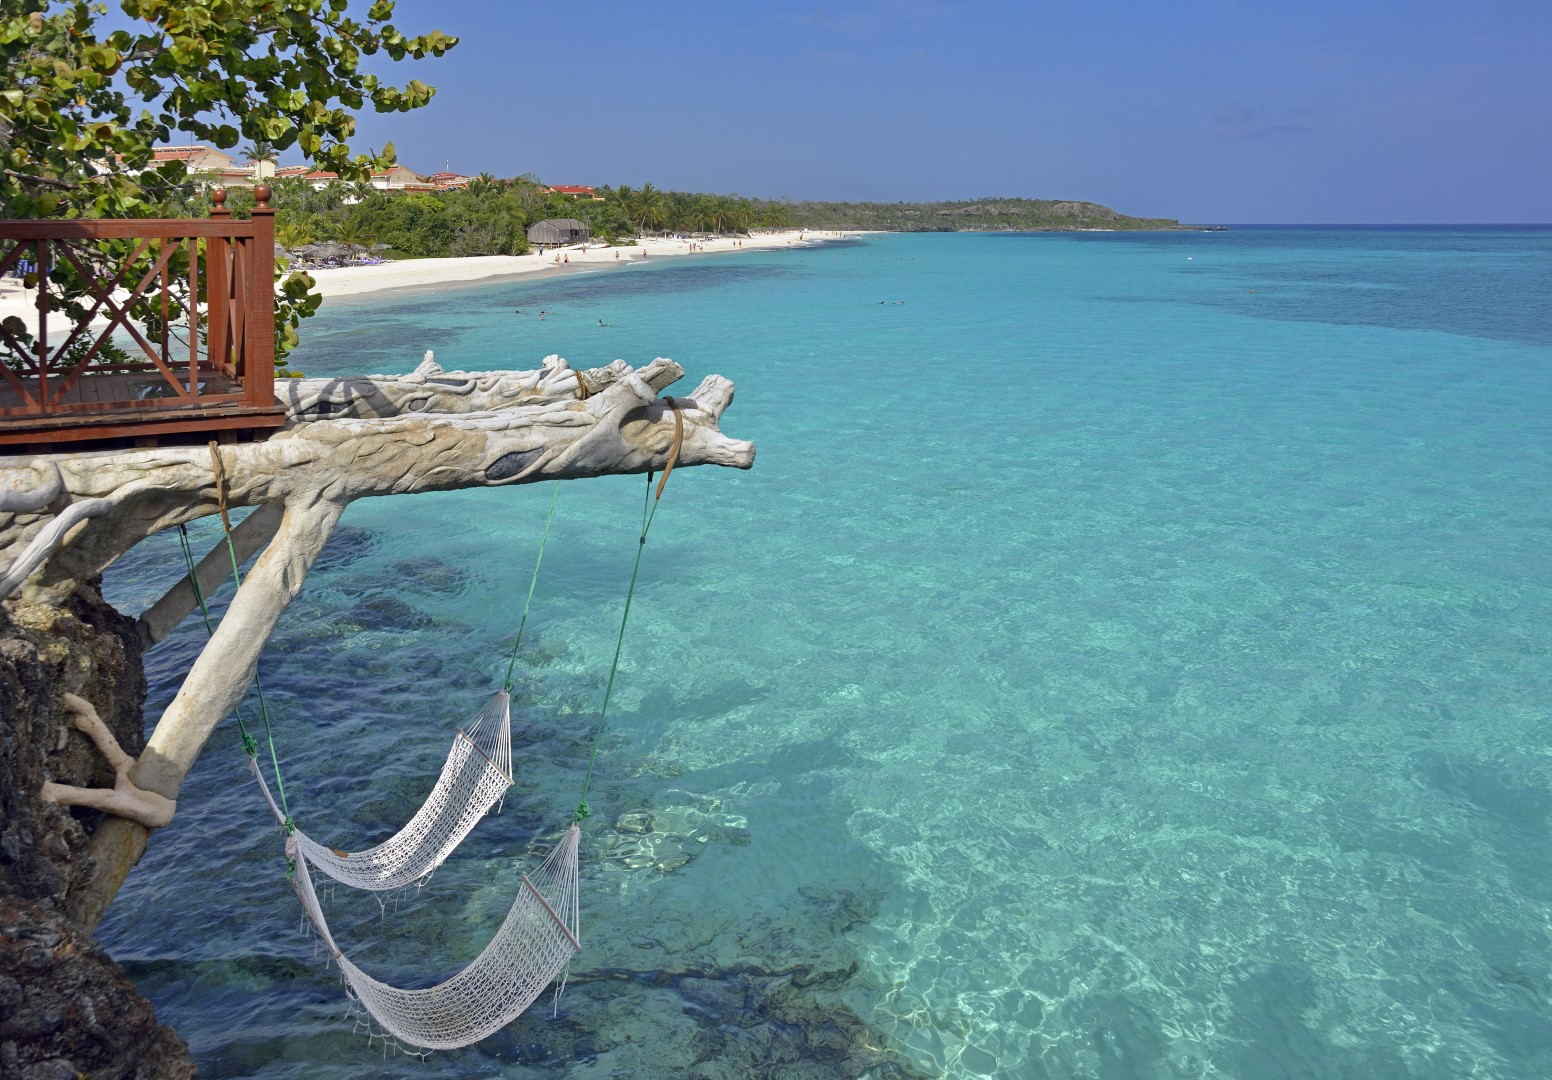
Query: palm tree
x=261, y=150
x=719, y=212
x=651, y=207
x=350, y=232
x=293, y=234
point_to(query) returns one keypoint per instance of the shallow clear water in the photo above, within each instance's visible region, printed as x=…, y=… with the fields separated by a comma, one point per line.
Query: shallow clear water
x=1128, y=657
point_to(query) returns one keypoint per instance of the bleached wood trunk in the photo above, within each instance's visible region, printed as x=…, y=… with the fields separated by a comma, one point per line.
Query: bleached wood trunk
x=65, y=518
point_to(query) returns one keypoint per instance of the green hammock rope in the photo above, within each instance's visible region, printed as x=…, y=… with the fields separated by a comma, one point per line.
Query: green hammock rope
x=507, y=684
x=647, y=516
x=250, y=744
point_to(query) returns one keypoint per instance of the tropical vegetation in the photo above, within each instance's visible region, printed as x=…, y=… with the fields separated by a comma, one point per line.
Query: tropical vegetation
x=988, y=215
x=85, y=97
x=489, y=216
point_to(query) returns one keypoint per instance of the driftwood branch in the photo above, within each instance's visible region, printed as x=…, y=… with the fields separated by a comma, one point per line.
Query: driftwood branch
x=426, y=432
x=251, y=534
x=66, y=518
x=124, y=799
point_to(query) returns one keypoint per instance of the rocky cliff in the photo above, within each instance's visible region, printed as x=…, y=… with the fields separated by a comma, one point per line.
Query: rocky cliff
x=66, y=1009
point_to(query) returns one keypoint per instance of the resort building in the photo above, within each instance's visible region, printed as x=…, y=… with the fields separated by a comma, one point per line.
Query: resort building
x=400, y=178
x=216, y=168
x=195, y=158
x=576, y=191
x=396, y=178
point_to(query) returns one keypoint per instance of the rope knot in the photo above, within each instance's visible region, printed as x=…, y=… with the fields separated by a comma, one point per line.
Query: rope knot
x=582, y=812
x=250, y=744
x=289, y=826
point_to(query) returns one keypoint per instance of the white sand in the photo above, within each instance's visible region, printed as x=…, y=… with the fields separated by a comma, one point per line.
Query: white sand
x=412, y=273
x=431, y=273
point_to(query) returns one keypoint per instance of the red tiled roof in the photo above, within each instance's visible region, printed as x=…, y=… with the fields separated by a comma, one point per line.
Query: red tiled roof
x=571, y=189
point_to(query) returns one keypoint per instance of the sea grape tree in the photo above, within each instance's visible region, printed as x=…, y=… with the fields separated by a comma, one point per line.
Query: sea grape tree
x=87, y=94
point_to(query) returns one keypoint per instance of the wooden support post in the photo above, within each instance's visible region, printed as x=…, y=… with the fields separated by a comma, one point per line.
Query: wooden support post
x=193, y=309
x=259, y=376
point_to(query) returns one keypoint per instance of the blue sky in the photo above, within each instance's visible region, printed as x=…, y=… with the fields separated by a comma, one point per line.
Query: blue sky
x=1206, y=110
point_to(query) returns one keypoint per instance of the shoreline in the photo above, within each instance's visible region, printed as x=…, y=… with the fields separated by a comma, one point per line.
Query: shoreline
x=425, y=275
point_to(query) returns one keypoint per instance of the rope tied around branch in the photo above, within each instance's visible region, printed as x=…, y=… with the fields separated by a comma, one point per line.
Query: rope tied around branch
x=218, y=466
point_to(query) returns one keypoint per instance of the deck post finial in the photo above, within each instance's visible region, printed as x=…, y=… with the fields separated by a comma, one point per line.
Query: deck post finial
x=218, y=196
x=261, y=194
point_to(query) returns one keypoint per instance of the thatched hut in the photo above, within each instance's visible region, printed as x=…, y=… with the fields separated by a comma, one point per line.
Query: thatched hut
x=552, y=231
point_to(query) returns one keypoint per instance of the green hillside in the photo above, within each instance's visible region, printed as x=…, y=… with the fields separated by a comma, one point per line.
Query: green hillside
x=978, y=215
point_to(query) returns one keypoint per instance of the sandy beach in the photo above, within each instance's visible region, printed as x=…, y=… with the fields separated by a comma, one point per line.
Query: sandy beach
x=420, y=274
x=424, y=273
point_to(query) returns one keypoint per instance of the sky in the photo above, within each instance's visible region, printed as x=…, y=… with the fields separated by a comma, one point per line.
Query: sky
x=1210, y=111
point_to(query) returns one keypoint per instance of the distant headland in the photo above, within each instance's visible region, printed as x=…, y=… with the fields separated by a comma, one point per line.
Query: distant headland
x=974, y=215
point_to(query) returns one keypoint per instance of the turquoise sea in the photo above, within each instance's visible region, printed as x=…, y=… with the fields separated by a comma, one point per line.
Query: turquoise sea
x=1130, y=656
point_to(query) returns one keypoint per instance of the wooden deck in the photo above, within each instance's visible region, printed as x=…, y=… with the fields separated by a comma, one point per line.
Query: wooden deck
x=190, y=303
x=131, y=405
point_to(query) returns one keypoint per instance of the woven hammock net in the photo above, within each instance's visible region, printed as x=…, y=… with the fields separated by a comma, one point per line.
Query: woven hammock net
x=535, y=943
x=476, y=775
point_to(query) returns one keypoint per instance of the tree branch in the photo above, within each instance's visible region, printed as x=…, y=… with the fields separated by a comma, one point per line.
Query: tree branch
x=214, y=686
x=49, y=181
x=455, y=430
x=124, y=800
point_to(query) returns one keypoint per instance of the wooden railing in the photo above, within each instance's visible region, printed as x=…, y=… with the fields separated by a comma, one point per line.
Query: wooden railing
x=207, y=359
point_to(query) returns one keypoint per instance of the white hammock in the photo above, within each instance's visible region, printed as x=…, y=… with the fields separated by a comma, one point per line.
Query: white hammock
x=533, y=947
x=477, y=774
x=534, y=944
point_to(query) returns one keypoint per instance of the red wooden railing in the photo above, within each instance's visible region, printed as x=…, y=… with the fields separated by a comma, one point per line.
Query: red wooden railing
x=211, y=366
